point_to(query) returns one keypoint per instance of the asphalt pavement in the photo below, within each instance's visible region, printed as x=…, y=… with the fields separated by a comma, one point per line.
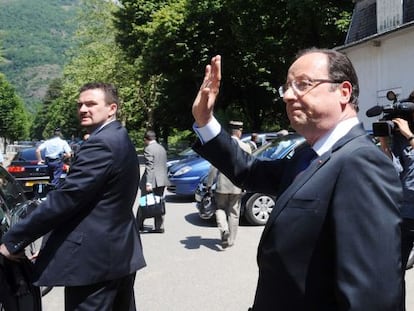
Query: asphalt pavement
x=187, y=269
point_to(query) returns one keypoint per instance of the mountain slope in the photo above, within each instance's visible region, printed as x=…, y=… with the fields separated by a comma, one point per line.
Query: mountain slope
x=35, y=36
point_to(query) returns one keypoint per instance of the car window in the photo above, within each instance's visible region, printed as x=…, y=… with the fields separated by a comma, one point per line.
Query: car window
x=10, y=190
x=279, y=148
x=28, y=154
x=187, y=152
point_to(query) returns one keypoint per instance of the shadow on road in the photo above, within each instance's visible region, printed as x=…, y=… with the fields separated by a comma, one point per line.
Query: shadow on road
x=195, y=242
x=173, y=198
x=195, y=220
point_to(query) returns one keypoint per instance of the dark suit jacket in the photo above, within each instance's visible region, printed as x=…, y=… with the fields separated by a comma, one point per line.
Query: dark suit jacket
x=332, y=241
x=95, y=236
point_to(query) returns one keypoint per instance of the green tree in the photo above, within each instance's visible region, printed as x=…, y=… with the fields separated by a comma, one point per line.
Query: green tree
x=13, y=117
x=41, y=119
x=96, y=58
x=257, y=40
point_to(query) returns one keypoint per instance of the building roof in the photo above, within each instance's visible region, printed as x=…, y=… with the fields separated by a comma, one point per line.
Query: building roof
x=364, y=19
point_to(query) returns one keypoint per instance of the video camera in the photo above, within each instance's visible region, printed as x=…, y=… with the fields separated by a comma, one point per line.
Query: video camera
x=397, y=109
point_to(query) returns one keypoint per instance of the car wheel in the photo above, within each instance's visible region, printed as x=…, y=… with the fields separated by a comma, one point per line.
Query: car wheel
x=258, y=208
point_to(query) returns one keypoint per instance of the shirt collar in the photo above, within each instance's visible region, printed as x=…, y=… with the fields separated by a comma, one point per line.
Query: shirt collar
x=103, y=125
x=326, y=142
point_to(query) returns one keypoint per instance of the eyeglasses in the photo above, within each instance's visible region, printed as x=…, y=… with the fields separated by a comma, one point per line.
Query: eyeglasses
x=301, y=87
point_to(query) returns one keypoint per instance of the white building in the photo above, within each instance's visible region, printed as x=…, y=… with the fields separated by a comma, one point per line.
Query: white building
x=380, y=44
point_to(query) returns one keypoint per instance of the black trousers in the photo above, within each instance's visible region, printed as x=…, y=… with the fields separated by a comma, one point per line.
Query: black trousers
x=114, y=295
x=407, y=240
x=407, y=233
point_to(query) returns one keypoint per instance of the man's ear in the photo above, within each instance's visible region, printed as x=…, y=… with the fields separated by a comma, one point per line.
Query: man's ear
x=112, y=109
x=346, y=90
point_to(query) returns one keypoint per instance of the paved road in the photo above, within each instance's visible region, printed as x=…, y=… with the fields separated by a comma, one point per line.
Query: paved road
x=187, y=269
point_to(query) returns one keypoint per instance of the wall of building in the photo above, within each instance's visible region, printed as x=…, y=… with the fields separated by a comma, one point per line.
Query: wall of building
x=383, y=63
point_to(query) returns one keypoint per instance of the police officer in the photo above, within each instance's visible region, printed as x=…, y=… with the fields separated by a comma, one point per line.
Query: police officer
x=56, y=149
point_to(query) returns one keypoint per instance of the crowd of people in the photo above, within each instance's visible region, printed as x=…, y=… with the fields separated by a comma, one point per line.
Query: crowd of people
x=337, y=238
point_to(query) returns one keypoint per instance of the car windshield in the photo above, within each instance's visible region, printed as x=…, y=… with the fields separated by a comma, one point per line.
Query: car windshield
x=279, y=147
x=28, y=154
x=11, y=193
x=187, y=152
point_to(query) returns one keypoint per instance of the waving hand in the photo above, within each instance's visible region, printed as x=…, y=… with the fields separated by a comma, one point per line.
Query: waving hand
x=204, y=103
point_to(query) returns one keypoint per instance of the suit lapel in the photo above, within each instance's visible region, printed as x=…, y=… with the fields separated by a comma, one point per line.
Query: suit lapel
x=306, y=175
x=301, y=179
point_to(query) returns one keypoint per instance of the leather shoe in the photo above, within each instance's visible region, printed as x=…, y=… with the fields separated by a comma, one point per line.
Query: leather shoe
x=225, y=239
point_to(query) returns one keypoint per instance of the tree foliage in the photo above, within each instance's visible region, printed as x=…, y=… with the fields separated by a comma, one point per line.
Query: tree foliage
x=95, y=58
x=155, y=53
x=13, y=116
x=257, y=40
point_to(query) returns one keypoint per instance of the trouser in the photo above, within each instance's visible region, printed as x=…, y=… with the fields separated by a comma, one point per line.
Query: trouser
x=55, y=168
x=228, y=213
x=114, y=295
x=407, y=240
x=407, y=234
x=158, y=220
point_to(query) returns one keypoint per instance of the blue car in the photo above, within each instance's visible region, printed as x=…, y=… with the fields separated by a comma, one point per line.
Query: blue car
x=186, y=174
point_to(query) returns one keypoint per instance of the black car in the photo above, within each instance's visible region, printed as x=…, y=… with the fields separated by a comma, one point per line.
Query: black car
x=25, y=168
x=17, y=289
x=255, y=207
x=13, y=201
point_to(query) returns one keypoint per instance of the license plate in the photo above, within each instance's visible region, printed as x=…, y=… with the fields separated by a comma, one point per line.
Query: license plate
x=31, y=183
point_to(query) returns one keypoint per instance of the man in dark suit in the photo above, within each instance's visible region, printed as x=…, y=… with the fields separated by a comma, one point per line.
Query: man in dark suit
x=332, y=241
x=94, y=247
x=155, y=177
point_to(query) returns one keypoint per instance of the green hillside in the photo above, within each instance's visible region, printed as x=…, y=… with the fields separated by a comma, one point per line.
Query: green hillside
x=35, y=36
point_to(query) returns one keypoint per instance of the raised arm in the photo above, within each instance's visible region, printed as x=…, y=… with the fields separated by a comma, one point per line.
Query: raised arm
x=203, y=105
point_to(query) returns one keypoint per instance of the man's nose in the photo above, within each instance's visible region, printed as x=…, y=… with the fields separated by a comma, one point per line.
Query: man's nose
x=83, y=108
x=289, y=94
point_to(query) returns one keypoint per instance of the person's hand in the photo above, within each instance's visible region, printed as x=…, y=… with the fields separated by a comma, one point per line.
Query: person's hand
x=204, y=102
x=40, y=162
x=148, y=188
x=34, y=256
x=384, y=145
x=5, y=252
x=403, y=127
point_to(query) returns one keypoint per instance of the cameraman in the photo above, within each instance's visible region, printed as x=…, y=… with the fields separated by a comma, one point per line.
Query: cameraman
x=402, y=154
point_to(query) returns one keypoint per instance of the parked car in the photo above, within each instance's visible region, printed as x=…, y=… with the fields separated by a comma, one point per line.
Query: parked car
x=15, y=205
x=255, y=207
x=25, y=169
x=12, y=197
x=185, y=175
x=185, y=154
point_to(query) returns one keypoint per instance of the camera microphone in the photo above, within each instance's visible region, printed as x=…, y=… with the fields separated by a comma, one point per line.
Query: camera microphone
x=408, y=99
x=374, y=111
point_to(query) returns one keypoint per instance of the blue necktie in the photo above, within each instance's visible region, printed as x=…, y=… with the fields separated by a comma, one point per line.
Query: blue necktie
x=303, y=160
